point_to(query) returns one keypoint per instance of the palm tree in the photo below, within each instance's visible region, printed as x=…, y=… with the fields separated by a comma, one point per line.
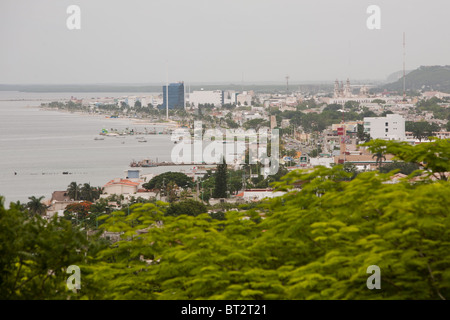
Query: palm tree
x=35, y=206
x=74, y=191
x=379, y=159
x=18, y=205
x=87, y=192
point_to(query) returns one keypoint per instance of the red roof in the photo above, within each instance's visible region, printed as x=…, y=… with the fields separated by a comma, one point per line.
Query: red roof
x=122, y=182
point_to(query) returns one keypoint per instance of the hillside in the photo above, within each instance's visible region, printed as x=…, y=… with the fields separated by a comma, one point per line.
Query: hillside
x=426, y=78
x=396, y=76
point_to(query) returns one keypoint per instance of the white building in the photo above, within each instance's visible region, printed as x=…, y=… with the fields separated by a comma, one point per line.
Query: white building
x=259, y=194
x=326, y=162
x=206, y=97
x=229, y=97
x=391, y=127
x=244, y=99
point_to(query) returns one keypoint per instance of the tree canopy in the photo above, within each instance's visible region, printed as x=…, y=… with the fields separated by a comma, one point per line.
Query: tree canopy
x=316, y=242
x=179, y=178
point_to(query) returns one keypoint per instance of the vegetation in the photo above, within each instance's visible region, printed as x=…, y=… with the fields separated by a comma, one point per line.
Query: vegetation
x=423, y=78
x=161, y=181
x=316, y=243
x=421, y=130
x=221, y=181
x=83, y=192
x=189, y=207
x=406, y=168
x=35, y=206
x=313, y=243
x=434, y=156
x=35, y=253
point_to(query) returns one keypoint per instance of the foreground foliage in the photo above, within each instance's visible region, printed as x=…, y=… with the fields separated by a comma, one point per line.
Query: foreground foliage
x=311, y=244
x=35, y=254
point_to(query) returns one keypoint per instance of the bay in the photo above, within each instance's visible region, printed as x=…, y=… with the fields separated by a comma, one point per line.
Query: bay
x=37, y=146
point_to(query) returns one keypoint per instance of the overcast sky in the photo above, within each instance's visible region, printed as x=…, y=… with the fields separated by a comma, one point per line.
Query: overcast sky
x=217, y=40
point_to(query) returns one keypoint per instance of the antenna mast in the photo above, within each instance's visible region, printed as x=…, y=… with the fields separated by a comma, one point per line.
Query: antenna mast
x=287, y=84
x=404, y=71
x=167, y=91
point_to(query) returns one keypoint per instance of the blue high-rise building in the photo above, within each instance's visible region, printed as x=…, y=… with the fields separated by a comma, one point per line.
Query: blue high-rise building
x=176, y=96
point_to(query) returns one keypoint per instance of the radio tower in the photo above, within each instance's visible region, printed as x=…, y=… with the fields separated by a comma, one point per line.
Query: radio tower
x=287, y=84
x=167, y=91
x=404, y=71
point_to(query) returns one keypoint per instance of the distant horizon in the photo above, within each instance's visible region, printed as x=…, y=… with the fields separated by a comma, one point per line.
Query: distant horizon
x=245, y=83
x=215, y=42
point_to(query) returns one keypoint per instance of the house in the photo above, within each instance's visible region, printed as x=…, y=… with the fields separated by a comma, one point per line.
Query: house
x=121, y=186
x=58, y=203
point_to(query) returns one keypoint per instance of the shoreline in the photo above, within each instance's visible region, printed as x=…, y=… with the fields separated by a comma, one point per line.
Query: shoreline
x=105, y=116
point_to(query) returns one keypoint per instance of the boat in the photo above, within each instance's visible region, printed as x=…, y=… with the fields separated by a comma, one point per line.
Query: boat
x=142, y=140
x=99, y=138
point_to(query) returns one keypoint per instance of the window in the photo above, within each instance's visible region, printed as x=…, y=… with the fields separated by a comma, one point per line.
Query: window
x=387, y=123
x=387, y=130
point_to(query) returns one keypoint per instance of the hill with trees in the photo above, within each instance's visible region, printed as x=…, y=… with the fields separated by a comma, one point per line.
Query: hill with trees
x=425, y=78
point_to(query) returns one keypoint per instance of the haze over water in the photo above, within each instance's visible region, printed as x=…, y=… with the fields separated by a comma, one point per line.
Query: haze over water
x=40, y=145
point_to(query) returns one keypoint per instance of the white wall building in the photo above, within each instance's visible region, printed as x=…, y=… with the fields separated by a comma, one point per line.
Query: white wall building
x=206, y=97
x=259, y=194
x=391, y=127
x=229, y=97
x=244, y=99
x=326, y=162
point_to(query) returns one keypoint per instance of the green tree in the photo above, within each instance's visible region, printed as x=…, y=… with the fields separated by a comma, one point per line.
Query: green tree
x=421, y=130
x=189, y=207
x=36, y=207
x=434, y=156
x=362, y=136
x=74, y=191
x=313, y=243
x=221, y=181
x=403, y=167
x=172, y=191
x=35, y=254
x=379, y=157
x=256, y=124
x=179, y=178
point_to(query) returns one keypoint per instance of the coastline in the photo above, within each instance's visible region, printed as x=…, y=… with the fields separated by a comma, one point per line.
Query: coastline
x=139, y=121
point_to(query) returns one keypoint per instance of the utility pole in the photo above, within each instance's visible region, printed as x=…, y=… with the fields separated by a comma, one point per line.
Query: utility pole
x=198, y=192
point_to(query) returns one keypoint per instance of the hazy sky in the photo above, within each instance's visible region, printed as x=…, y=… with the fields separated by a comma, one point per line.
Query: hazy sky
x=217, y=40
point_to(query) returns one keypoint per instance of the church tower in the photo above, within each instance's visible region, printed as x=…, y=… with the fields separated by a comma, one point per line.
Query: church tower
x=336, y=89
x=347, y=90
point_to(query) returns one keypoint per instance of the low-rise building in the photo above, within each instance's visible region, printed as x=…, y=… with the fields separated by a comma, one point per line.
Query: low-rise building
x=391, y=127
x=120, y=186
x=214, y=97
x=259, y=194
